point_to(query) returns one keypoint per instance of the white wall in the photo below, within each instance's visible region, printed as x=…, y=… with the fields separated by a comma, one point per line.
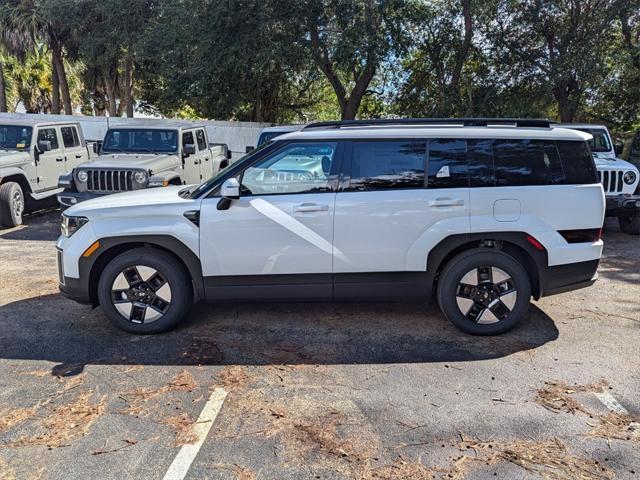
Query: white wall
x=237, y=135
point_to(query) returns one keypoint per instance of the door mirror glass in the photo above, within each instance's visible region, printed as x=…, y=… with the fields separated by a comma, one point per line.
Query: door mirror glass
x=230, y=188
x=44, y=146
x=618, y=147
x=188, y=149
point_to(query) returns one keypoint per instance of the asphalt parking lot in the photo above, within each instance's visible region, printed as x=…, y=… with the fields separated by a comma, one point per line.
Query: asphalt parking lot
x=290, y=391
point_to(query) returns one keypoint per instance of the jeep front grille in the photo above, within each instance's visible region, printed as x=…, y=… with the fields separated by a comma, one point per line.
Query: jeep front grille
x=110, y=180
x=611, y=180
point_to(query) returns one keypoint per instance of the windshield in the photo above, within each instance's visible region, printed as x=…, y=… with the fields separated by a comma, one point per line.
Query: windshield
x=140, y=140
x=203, y=187
x=600, y=141
x=15, y=137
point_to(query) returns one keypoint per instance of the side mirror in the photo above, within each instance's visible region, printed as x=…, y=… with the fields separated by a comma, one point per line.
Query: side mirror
x=618, y=147
x=96, y=148
x=188, y=149
x=249, y=149
x=229, y=155
x=230, y=189
x=44, y=146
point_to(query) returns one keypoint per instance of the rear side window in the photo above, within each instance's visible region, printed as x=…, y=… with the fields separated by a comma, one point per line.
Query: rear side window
x=387, y=165
x=69, y=137
x=526, y=162
x=448, y=163
x=577, y=162
x=202, y=143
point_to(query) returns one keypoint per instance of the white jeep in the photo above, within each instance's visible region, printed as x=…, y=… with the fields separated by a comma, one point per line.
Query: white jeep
x=135, y=158
x=485, y=213
x=620, y=179
x=32, y=156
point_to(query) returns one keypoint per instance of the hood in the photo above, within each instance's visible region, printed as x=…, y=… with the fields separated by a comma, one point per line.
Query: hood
x=605, y=160
x=10, y=158
x=144, y=161
x=150, y=197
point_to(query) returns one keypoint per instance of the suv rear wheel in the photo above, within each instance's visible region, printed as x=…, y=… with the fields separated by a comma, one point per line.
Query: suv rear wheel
x=484, y=292
x=11, y=204
x=145, y=290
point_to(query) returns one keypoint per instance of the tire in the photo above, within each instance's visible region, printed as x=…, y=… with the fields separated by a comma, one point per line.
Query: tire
x=11, y=204
x=157, y=281
x=501, y=283
x=630, y=224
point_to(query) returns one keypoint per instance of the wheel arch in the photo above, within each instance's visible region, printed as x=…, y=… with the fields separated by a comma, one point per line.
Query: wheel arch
x=18, y=176
x=111, y=247
x=512, y=243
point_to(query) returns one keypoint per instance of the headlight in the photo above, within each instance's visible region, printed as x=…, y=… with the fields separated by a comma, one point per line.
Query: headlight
x=140, y=176
x=629, y=177
x=70, y=225
x=82, y=176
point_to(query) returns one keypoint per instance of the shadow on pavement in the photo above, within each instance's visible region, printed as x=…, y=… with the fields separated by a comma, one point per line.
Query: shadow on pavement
x=54, y=329
x=41, y=225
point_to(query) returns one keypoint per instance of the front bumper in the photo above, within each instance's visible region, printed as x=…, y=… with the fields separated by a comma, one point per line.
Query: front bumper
x=73, y=288
x=623, y=205
x=69, y=199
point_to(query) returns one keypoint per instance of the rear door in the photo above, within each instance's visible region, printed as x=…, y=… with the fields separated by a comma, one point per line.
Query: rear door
x=398, y=198
x=75, y=152
x=50, y=163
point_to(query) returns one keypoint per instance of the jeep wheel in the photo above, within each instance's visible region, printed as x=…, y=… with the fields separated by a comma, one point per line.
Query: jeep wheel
x=11, y=204
x=145, y=290
x=484, y=292
x=630, y=224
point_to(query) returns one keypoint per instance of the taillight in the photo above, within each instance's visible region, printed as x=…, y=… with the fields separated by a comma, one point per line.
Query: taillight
x=588, y=235
x=535, y=242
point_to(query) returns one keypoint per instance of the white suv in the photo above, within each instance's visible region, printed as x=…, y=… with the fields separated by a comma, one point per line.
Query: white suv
x=485, y=213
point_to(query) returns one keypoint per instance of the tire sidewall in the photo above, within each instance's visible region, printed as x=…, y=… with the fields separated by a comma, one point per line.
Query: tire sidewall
x=171, y=269
x=11, y=188
x=463, y=263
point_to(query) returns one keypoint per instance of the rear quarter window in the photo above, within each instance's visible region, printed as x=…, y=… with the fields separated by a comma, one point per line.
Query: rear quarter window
x=577, y=162
x=526, y=162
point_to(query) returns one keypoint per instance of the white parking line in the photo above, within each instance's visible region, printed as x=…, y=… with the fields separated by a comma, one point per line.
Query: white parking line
x=611, y=403
x=181, y=464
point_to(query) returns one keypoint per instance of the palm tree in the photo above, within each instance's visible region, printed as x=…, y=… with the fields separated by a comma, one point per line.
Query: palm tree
x=26, y=17
x=13, y=42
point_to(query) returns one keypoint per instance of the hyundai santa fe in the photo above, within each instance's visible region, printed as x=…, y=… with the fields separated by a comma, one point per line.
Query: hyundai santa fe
x=485, y=214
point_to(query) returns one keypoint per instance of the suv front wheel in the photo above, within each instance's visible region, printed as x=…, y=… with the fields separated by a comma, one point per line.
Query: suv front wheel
x=484, y=292
x=145, y=290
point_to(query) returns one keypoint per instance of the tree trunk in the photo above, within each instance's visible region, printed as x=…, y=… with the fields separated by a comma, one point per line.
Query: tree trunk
x=567, y=94
x=110, y=90
x=55, y=88
x=56, y=51
x=3, y=91
x=463, y=53
x=128, y=80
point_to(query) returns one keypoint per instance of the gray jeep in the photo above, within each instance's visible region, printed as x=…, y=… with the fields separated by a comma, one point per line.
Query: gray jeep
x=133, y=158
x=33, y=155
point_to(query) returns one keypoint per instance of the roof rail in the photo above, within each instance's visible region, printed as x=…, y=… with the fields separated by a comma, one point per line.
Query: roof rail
x=466, y=122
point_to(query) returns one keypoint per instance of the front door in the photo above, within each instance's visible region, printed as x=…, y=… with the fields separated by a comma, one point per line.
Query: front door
x=190, y=163
x=204, y=154
x=276, y=239
x=50, y=163
x=389, y=214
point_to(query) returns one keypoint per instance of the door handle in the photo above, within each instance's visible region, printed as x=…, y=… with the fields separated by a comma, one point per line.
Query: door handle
x=78, y=156
x=446, y=202
x=310, y=207
x=206, y=159
x=59, y=159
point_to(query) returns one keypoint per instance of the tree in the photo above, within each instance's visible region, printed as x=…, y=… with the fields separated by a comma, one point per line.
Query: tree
x=560, y=44
x=33, y=19
x=13, y=42
x=349, y=40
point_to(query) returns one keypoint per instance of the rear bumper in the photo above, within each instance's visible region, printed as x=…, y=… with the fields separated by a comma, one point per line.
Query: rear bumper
x=623, y=205
x=572, y=276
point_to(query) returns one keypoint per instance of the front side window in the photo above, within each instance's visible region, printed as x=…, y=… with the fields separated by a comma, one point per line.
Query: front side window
x=296, y=168
x=187, y=139
x=68, y=138
x=526, y=162
x=49, y=135
x=387, y=165
x=202, y=142
x=140, y=140
x=15, y=137
x=448, y=163
x=600, y=142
